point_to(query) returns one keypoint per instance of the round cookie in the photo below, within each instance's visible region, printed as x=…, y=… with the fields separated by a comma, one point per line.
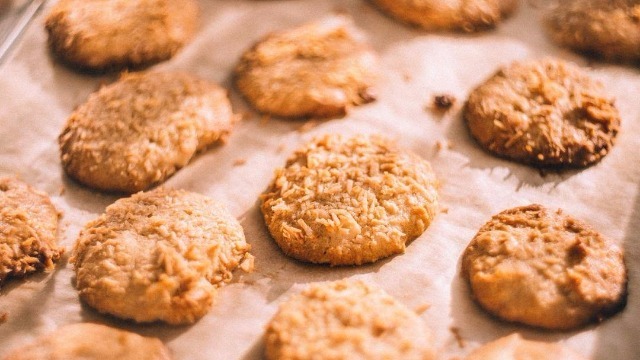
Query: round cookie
x=349, y=201
x=105, y=35
x=316, y=70
x=544, y=113
x=457, y=15
x=28, y=230
x=546, y=269
x=514, y=347
x=86, y=341
x=138, y=131
x=605, y=29
x=346, y=319
x=159, y=255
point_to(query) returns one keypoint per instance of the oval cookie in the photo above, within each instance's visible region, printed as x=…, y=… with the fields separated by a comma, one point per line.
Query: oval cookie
x=605, y=29
x=159, y=255
x=316, y=70
x=346, y=320
x=514, y=347
x=349, y=201
x=28, y=230
x=88, y=341
x=105, y=35
x=469, y=16
x=138, y=131
x=543, y=268
x=544, y=113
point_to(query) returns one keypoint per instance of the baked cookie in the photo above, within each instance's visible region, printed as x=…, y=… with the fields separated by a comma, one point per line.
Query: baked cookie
x=28, y=230
x=349, y=201
x=346, y=319
x=546, y=269
x=457, y=15
x=86, y=341
x=316, y=70
x=138, y=131
x=606, y=29
x=105, y=35
x=514, y=347
x=545, y=113
x=159, y=255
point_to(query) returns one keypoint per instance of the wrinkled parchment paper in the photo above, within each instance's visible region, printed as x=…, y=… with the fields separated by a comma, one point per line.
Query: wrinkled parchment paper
x=37, y=95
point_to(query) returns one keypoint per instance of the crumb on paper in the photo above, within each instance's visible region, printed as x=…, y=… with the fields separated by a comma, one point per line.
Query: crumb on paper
x=422, y=308
x=444, y=210
x=406, y=77
x=280, y=148
x=62, y=190
x=4, y=316
x=443, y=102
x=308, y=126
x=239, y=162
x=456, y=334
x=444, y=144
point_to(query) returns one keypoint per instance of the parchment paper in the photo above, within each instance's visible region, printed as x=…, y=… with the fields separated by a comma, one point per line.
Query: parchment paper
x=37, y=95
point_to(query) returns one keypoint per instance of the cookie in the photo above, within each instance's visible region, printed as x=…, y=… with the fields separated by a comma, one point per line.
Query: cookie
x=138, y=131
x=349, y=201
x=514, y=347
x=86, y=341
x=468, y=16
x=316, y=70
x=604, y=29
x=544, y=113
x=545, y=269
x=346, y=319
x=159, y=256
x=106, y=35
x=28, y=230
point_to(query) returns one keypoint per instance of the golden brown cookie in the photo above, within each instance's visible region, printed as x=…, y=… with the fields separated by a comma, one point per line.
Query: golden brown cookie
x=159, y=255
x=104, y=35
x=86, y=341
x=349, y=201
x=346, y=319
x=546, y=269
x=607, y=29
x=514, y=347
x=28, y=230
x=316, y=70
x=457, y=15
x=138, y=131
x=545, y=113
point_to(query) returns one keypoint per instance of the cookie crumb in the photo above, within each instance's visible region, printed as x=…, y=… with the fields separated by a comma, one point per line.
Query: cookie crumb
x=281, y=148
x=406, y=77
x=308, y=126
x=422, y=308
x=4, y=316
x=443, y=102
x=456, y=334
x=444, y=210
x=239, y=162
x=62, y=190
x=444, y=144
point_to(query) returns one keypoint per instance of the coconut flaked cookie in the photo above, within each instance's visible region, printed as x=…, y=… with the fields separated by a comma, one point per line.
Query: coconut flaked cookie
x=88, y=341
x=138, y=131
x=514, y=347
x=346, y=319
x=349, y=201
x=159, y=255
x=104, y=35
x=543, y=268
x=609, y=29
x=457, y=15
x=316, y=70
x=545, y=113
x=28, y=230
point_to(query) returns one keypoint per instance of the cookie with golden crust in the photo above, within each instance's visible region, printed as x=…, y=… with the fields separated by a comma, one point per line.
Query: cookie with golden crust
x=138, y=131
x=28, y=230
x=159, y=256
x=106, y=35
x=346, y=319
x=349, y=201
x=86, y=341
x=544, y=113
x=316, y=70
x=514, y=347
x=543, y=268
x=606, y=29
x=456, y=15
